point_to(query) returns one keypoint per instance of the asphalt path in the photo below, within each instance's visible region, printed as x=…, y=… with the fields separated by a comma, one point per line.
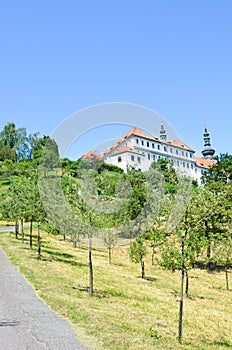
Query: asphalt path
x=26, y=323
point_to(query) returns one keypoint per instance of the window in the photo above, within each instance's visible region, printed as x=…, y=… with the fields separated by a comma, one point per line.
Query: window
x=170, y=150
x=153, y=156
x=187, y=165
x=178, y=163
x=153, y=145
x=184, y=164
x=191, y=155
x=195, y=170
x=119, y=159
x=186, y=153
x=158, y=146
x=191, y=166
x=137, y=141
x=138, y=159
x=182, y=153
x=165, y=148
x=148, y=156
x=176, y=151
x=132, y=158
x=148, y=144
x=142, y=143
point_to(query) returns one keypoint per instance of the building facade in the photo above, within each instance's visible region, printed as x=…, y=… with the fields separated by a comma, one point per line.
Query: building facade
x=137, y=150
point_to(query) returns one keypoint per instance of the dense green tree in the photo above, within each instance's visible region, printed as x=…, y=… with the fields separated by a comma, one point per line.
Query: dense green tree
x=168, y=172
x=7, y=153
x=221, y=170
x=14, y=139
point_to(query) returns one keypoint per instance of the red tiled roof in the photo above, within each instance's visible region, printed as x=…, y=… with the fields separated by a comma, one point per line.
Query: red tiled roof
x=124, y=149
x=137, y=132
x=180, y=144
x=204, y=163
x=133, y=131
x=90, y=155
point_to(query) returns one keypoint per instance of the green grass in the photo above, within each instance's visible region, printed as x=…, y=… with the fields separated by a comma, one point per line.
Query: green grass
x=125, y=312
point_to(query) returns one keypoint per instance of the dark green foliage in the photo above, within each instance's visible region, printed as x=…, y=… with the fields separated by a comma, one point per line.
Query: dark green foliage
x=221, y=171
x=109, y=167
x=7, y=153
x=168, y=172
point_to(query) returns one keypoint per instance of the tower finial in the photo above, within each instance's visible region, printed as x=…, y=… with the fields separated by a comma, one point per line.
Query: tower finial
x=207, y=151
x=163, y=135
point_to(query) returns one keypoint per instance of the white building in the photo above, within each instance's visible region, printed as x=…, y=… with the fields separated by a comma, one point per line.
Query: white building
x=137, y=150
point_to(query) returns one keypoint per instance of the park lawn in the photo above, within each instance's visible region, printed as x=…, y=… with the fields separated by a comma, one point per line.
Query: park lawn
x=125, y=312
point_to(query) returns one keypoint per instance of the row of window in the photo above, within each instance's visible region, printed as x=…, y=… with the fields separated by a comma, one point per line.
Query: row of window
x=165, y=149
x=178, y=163
x=154, y=157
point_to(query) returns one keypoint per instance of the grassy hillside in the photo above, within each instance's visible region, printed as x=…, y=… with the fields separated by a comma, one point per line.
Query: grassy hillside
x=126, y=312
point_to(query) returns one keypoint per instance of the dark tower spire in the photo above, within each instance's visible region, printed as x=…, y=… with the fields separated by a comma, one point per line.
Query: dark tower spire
x=163, y=135
x=207, y=151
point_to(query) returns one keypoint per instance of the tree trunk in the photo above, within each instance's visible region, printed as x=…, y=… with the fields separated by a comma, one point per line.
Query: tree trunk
x=74, y=240
x=16, y=229
x=209, y=250
x=181, y=293
x=90, y=268
x=31, y=226
x=39, y=240
x=143, y=269
x=64, y=237
x=227, y=280
x=152, y=257
x=186, y=284
x=79, y=241
x=22, y=231
x=110, y=256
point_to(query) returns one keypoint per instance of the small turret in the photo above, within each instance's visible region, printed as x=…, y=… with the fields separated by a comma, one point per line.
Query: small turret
x=208, y=151
x=163, y=134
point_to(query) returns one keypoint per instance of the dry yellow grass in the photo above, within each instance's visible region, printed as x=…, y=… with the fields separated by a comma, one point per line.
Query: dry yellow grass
x=126, y=312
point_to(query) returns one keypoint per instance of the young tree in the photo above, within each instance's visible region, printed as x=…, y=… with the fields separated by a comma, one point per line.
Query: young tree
x=110, y=240
x=222, y=256
x=137, y=253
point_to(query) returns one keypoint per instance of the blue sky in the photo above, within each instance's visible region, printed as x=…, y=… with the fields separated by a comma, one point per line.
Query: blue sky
x=174, y=57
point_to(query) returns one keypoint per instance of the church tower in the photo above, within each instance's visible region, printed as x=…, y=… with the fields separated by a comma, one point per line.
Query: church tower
x=207, y=151
x=163, y=134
